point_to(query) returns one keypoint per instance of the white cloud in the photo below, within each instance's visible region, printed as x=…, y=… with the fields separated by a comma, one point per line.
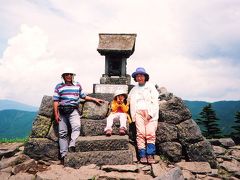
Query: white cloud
x=189, y=47
x=27, y=65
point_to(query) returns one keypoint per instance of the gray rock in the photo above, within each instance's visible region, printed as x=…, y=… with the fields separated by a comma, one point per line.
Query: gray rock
x=24, y=167
x=105, y=96
x=4, y=175
x=226, y=142
x=235, y=153
x=41, y=126
x=214, y=173
x=101, y=143
x=173, y=150
x=173, y=174
x=166, y=132
x=124, y=176
x=173, y=111
x=201, y=152
x=46, y=107
x=163, y=93
x=22, y=176
x=92, y=110
x=176, y=129
x=9, y=149
x=159, y=169
x=12, y=161
x=98, y=157
x=144, y=168
x=161, y=90
x=91, y=127
x=62, y=173
x=237, y=147
x=53, y=132
x=132, y=148
x=7, y=169
x=232, y=166
x=218, y=150
x=237, y=174
x=225, y=157
x=42, y=148
x=188, y=175
x=195, y=167
x=189, y=131
x=120, y=168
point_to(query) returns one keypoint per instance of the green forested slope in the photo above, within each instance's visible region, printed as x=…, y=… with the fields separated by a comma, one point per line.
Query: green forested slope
x=18, y=124
x=15, y=123
x=225, y=111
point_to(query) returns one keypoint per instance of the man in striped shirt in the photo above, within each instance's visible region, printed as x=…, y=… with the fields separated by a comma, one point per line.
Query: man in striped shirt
x=66, y=102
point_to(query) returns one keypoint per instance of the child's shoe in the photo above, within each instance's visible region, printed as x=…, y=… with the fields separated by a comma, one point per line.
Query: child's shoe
x=143, y=160
x=150, y=159
x=108, y=132
x=122, y=131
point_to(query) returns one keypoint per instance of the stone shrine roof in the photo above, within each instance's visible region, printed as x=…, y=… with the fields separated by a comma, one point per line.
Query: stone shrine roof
x=116, y=44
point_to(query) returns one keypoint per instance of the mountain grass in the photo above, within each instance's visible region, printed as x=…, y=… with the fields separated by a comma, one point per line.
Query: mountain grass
x=6, y=140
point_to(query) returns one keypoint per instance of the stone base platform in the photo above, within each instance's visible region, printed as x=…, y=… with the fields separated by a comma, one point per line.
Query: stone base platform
x=100, y=150
x=101, y=143
x=79, y=159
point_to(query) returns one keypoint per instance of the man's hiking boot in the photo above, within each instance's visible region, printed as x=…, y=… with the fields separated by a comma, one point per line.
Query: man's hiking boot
x=150, y=159
x=62, y=160
x=122, y=131
x=72, y=149
x=108, y=132
x=143, y=160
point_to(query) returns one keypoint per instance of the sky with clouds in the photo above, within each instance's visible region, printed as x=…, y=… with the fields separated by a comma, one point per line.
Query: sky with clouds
x=190, y=47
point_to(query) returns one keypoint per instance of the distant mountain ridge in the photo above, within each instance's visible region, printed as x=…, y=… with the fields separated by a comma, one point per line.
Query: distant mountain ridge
x=9, y=104
x=16, y=123
x=225, y=111
x=16, y=118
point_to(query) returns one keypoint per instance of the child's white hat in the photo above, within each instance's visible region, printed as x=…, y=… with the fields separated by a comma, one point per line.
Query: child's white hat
x=120, y=92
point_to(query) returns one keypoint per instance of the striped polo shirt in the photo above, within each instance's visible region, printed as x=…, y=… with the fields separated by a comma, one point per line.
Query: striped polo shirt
x=67, y=94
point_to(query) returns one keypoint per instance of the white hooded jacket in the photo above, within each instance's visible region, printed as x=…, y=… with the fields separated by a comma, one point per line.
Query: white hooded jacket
x=149, y=95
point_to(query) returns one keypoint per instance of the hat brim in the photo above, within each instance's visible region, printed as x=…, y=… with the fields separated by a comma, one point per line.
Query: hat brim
x=136, y=73
x=125, y=95
x=69, y=73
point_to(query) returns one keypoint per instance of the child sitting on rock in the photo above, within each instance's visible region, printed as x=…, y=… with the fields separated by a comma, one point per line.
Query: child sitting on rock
x=119, y=111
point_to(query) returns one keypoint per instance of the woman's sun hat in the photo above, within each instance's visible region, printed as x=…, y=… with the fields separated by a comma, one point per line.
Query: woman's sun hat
x=140, y=70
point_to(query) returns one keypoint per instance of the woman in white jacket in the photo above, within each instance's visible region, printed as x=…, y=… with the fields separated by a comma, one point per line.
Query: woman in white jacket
x=144, y=110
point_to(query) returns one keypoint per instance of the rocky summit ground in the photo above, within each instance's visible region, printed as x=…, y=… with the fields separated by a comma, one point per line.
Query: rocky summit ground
x=15, y=164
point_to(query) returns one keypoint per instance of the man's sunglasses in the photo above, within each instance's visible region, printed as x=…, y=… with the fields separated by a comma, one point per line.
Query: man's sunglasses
x=67, y=74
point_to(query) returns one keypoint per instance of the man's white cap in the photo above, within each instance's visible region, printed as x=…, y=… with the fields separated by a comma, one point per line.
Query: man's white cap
x=68, y=70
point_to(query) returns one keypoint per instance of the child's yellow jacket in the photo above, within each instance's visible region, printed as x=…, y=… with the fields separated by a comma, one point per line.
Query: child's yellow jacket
x=124, y=107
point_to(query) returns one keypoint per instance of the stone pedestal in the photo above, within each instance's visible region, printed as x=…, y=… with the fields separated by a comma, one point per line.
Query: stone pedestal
x=110, y=88
x=105, y=79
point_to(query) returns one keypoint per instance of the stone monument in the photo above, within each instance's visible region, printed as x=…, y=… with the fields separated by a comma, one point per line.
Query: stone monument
x=178, y=136
x=116, y=48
